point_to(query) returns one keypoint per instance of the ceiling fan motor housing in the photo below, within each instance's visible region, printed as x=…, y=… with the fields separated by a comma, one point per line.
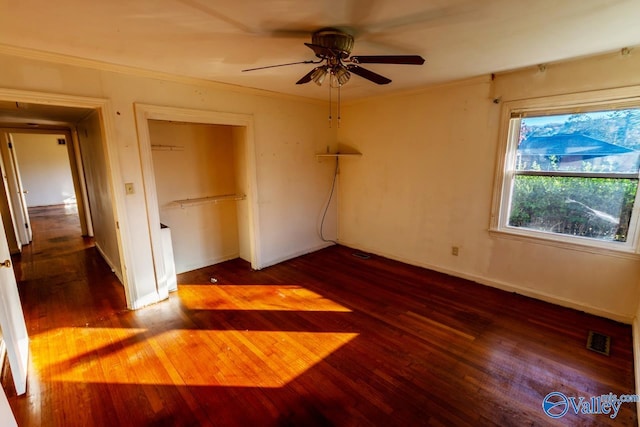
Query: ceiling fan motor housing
x=338, y=41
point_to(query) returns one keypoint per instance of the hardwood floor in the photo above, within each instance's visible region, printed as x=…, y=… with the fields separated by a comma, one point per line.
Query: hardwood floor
x=324, y=339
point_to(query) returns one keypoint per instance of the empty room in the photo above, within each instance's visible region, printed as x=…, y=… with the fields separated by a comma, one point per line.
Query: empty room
x=310, y=213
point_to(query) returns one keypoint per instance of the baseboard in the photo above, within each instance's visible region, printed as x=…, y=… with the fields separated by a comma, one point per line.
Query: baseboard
x=549, y=298
x=146, y=300
x=509, y=287
x=110, y=263
x=208, y=262
x=295, y=254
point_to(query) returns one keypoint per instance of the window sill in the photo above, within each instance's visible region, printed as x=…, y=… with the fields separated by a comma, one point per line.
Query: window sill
x=571, y=243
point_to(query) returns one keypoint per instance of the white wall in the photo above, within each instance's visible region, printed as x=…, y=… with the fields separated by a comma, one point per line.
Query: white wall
x=44, y=168
x=425, y=184
x=204, y=166
x=99, y=192
x=291, y=184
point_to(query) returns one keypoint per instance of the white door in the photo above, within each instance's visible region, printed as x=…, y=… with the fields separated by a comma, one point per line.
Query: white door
x=16, y=195
x=21, y=192
x=13, y=239
x=14, y=330
x=5, y=411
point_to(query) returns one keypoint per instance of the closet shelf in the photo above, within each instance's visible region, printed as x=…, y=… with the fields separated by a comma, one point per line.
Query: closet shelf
x=211, y=199
x=167, y=147
x=321, y=155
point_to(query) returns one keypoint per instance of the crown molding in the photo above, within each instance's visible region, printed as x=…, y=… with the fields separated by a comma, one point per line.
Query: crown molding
x=57, y=58
x=486, y=78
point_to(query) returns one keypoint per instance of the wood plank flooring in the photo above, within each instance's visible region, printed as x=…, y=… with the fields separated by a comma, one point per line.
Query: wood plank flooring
x=324, y=339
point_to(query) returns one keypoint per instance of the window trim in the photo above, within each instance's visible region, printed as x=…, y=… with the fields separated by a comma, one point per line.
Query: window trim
x=619, y=98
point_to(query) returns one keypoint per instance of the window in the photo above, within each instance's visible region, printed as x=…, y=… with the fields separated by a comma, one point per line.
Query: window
x=571, y=175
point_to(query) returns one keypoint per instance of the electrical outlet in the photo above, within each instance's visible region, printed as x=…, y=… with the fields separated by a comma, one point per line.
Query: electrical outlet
x=128, y=188
x=454, y=250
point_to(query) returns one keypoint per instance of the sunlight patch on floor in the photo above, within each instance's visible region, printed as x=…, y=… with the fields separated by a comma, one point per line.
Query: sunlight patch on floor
x=189, y=357
x=255, y=297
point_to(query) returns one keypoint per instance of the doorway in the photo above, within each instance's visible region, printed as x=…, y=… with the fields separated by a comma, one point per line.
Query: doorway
x=199, y=177
x=85, y=125
x=58, y=114
x=199, y=171
x=41, y=168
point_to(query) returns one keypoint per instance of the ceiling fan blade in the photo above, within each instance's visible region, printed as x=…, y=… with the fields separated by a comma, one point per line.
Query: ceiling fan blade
x=369, y=75
x=283, y=65
x=306, y=78
x=388, y=59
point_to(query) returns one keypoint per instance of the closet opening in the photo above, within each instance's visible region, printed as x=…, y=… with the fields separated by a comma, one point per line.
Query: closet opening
x=199, y=178
x=199, y=171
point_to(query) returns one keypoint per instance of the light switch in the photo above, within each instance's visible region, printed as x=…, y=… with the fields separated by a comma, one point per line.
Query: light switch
x=128, y=187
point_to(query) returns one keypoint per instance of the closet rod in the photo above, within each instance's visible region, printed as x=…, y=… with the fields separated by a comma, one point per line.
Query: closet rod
x=211, y=199
x=167, y=147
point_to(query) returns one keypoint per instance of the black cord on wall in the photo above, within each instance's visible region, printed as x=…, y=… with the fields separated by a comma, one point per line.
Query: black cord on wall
x=326, y=208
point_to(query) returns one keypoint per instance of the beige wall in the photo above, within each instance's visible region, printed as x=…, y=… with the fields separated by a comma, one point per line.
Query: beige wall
x=44, y=168
x=291, y=184
x=425, y=184
x=205, y=233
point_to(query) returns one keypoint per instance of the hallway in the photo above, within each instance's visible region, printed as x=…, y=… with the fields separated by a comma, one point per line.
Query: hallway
x=61, y=277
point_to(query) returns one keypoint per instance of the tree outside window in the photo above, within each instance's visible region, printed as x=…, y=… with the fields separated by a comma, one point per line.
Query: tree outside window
x=575, y=174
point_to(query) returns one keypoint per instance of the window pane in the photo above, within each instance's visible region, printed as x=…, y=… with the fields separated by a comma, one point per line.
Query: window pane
x=604, y=141
x=588, y=207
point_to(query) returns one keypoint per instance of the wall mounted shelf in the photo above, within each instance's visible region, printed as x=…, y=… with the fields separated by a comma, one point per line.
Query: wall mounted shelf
x=321, y=155
x=211, y=199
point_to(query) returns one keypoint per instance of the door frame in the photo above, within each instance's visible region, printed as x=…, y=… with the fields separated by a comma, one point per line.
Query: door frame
x=105, y=111
x=146, y=112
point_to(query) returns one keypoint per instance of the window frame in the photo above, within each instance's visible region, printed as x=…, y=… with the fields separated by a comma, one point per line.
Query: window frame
x=610, y=99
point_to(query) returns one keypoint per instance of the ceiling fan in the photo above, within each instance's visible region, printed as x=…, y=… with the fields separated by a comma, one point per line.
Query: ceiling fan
x=333, y=47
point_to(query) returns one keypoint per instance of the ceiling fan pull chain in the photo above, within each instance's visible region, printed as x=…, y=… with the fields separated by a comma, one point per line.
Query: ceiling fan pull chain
x=330, y=118
x=339, y=106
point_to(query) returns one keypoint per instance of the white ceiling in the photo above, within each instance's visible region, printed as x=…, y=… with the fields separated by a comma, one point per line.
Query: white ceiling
x=216, y=39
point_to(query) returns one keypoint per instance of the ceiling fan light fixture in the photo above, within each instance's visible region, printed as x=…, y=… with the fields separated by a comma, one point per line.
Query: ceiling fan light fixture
x=319, y=75
x=342, y=75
